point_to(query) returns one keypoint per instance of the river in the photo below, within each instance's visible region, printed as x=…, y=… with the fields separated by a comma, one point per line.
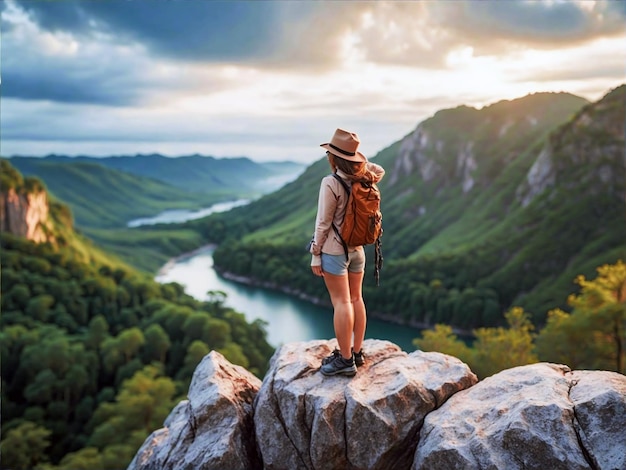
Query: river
x=182, y=215
x=288, y=318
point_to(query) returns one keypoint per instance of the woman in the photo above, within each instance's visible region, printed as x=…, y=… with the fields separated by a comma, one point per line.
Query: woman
x=343, y=277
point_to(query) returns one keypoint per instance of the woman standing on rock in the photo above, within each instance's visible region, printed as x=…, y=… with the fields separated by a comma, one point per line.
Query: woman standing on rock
x=343, y=277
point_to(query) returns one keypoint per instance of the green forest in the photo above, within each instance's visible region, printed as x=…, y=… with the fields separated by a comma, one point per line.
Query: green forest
x=95, y=353
x=592, y=335
x=95, y=357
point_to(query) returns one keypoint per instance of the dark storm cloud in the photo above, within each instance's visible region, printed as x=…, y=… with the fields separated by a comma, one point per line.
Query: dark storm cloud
x=23, y=84
x=181, y=32
x=95, y=75
x=100, y=70
x=89, y=61
x=202, y=30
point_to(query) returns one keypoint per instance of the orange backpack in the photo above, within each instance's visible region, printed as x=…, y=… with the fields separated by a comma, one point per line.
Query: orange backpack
x=363, y=221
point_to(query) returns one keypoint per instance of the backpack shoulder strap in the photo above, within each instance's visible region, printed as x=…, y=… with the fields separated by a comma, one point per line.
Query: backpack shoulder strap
x=345, y=186
x=343, y=183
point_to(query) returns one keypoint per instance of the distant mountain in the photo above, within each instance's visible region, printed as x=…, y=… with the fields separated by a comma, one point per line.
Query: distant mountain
x=102, y=197
x=104, y=194
x=239, y=177
x=482, y=209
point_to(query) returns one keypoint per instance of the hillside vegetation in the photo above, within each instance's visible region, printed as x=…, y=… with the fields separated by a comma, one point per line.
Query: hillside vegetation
x=483, y=209
x=101, y=197
x=94, y=353
x=94, y=357
x=104, y=194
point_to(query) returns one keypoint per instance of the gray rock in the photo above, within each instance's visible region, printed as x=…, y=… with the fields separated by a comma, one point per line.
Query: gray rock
x=525, y=418
x=599, y=399
x=304, y=420
x=213, y=429
x=401, y=411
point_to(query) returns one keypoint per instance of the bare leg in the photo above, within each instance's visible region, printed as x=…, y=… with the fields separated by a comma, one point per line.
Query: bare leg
x=343, y=318
x=358, y=307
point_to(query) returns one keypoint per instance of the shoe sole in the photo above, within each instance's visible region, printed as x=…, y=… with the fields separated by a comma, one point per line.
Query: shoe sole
x=346, y=372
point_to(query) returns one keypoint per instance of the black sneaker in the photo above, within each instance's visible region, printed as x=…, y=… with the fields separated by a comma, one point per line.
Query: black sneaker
x=359, y=358
x=337, y=365
x=336, y=353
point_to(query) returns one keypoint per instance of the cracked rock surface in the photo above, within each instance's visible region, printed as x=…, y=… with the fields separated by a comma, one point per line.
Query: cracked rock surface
x=304, y=420
x=540, y=416
x=599, y=399
x=212, y=429
x=418, y=411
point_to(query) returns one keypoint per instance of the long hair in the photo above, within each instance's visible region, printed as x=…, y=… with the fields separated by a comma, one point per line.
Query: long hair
x=356, y=171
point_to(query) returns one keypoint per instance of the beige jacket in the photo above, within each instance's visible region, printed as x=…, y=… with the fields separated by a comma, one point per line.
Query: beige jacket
x=331, y=208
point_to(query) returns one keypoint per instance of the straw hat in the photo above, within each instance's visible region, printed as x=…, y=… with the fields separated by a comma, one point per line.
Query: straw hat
x=344, y=144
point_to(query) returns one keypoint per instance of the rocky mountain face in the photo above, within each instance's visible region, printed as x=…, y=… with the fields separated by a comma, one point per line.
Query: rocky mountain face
x=469, y=147
x=592, y=142
x=466, y=168
x=401, y=411
x=24, y=207
x=506, y=204
x=25, y=214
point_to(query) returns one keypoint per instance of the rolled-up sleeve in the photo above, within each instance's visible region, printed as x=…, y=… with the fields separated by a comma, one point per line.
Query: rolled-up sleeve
x=377, y=171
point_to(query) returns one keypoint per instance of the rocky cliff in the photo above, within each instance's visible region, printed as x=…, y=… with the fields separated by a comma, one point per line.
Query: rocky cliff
x=401, y=411
x=26, y=214
x=467, y=147
x=593, y=142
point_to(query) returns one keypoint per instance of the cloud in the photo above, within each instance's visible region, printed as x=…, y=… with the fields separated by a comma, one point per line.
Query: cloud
x=537, y=24
x=262, y=78
x=424, y=33
x=208, y=31
x=600, y=64
x=67, y=67
x=123, y=53
x=323, y=34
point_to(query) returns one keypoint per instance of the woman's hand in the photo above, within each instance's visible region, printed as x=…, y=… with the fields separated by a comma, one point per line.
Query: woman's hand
x=317, y=270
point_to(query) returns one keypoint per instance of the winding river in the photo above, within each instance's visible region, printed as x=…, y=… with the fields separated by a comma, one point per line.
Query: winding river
x=288, y=318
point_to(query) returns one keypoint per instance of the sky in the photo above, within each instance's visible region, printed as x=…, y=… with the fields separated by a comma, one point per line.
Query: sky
x=271, y=80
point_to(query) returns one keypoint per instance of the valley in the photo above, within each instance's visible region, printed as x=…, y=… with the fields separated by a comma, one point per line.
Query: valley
x=505, y=222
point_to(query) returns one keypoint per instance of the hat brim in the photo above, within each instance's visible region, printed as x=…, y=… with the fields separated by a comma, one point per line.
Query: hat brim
x=358, y=157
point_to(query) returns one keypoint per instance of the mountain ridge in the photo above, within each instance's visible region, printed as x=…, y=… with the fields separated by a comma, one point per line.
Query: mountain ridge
x=448, y=241
x=234, y=177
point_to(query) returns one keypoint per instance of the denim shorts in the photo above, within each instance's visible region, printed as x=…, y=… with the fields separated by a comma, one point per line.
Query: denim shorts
x=337, y=264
